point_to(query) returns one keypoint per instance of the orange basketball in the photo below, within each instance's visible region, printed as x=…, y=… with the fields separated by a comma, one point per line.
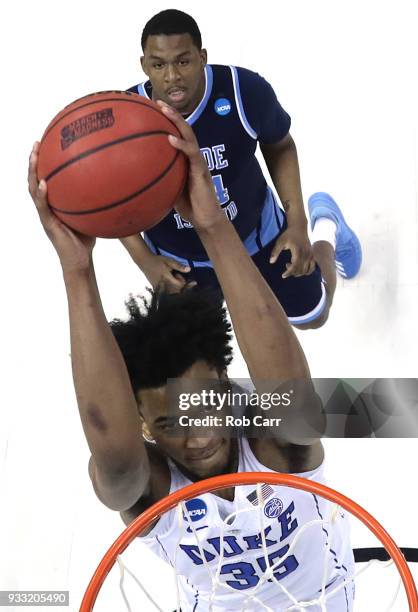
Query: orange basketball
x=109, y=167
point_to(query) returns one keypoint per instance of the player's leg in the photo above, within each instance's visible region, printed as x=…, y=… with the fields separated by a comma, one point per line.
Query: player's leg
x=303, y=298
x=323, y=245
x=329, y=225
x=307, y=299
x=336, y=247
x=324, y=254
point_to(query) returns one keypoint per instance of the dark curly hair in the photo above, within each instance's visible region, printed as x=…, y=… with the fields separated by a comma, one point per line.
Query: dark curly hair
x=170, y=333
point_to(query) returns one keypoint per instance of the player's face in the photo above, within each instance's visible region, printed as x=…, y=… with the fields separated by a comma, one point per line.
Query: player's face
x=175, y=67
x=202, y=451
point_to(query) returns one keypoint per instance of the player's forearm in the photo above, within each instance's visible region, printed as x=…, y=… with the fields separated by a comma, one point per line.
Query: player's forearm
x=268, y=343
x=283, y=165
x=137, y=248
x=106, y=403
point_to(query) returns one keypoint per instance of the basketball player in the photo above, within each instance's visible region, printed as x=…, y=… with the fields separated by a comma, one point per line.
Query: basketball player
x=121, y=387
x=231, y=110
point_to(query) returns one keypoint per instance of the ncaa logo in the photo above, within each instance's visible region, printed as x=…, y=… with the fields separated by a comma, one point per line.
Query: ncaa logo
x=273, y=508
x=196, y=508
x=223, y=106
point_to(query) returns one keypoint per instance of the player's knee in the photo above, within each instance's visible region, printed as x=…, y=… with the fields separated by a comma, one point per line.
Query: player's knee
x=316, y=323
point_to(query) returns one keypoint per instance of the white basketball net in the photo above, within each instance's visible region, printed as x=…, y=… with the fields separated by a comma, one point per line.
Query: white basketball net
x=252, y=599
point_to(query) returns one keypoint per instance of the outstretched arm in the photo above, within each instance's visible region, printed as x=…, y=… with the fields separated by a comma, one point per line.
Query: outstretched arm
x=119, y=464
x=268, y=343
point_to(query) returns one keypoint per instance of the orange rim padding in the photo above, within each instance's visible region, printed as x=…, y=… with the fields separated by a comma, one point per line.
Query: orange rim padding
x=230, y=480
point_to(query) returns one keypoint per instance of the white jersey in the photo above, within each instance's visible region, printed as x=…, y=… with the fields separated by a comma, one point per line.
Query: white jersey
x=284, y=514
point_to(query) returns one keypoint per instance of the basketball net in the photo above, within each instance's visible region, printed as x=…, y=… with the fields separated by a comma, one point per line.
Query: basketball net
x=253, y=597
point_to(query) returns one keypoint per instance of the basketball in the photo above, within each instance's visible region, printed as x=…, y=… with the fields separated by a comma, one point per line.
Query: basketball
x=109, y=167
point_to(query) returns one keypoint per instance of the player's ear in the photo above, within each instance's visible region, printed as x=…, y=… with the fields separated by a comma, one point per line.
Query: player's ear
x=204, y=56
x=142, y=423
x=142, y=60
x=146, y=434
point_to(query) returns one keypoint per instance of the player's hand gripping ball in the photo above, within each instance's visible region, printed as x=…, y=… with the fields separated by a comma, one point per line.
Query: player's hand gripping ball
x=109, y=167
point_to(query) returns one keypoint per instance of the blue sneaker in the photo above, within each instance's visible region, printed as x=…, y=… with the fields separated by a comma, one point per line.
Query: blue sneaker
x=348, y=255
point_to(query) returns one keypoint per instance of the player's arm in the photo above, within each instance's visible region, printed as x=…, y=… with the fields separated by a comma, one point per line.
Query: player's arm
x=282, y=162
x=268, y=343
x=158, y=269
x=271, y=124
x=119, y=466
x=137, y=248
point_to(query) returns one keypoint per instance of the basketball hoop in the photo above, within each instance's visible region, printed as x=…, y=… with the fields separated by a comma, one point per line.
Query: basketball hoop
x=148, y=517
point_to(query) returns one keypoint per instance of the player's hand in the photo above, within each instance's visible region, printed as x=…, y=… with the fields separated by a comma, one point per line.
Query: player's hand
x=74, y=249
x=199, y=203
x=296, y=240
x=164, y=271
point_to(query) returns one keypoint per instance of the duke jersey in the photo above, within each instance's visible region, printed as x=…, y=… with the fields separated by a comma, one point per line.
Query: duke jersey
x=238, y=109
x=286, y=511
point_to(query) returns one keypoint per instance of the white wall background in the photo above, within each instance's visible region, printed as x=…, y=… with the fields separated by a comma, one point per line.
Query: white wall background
x=346, y=72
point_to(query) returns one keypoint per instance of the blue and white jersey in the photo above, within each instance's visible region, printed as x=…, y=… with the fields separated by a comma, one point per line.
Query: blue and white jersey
x=295, y=539
x=238, y=109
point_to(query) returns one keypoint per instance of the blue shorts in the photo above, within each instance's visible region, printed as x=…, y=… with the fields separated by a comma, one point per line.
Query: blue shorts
x=303, y=299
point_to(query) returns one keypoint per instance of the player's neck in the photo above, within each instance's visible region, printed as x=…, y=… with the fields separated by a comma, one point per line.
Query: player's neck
x=200, y=93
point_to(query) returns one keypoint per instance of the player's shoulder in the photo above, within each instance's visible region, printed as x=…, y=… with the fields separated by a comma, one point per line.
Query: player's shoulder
x=247, y=74
x=251, y=89
x=239, y=72
x=133, y=89
x=250, y=85
x=143, y=89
